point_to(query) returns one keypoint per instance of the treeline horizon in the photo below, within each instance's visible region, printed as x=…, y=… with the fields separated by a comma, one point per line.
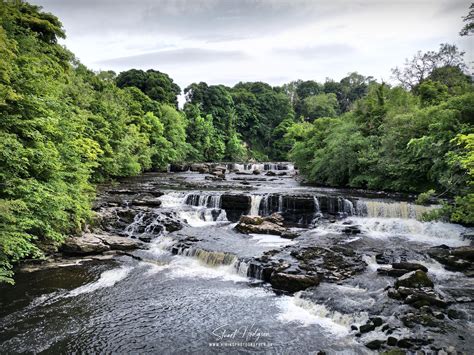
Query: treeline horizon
x=66, y=128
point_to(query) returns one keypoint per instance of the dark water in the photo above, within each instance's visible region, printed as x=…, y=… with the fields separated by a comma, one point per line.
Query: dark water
x=176, y=304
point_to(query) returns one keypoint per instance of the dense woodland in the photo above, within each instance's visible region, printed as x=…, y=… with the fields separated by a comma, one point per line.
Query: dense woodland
x=65, y=128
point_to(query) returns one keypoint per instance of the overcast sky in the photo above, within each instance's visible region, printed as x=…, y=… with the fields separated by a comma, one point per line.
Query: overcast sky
x=276, y=41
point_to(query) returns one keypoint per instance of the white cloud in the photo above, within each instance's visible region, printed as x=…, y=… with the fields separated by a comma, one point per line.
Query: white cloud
x=221, y=41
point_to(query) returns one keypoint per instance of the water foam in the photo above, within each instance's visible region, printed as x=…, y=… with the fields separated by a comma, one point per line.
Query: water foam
x=107, y=279
x=305, y=312
x=434, y=233
x=271, y=240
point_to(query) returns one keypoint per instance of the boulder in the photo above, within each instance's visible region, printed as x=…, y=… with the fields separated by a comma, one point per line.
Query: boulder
x=351, y=230
x=201, y=168
x=293, y=283
x=87, y=244
x=456, y=259
x=119, y=243
x=400, y=269
x=253, y=220
x=409, y=266
x=386, y=271
x=270, y=173
x=466, y=252
x=179, y=168
x=414, y=279
x=418, y=297
x=266, y=225
x=147, y=201
x=375, y=344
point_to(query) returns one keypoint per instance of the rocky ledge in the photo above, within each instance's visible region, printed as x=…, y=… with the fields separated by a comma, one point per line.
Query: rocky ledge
x=90, y=243
x=273, y=224
x=297, y=268
x=455, y=259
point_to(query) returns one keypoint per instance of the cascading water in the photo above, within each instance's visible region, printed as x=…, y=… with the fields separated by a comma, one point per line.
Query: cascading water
x=197, y=208
x=255, y=201
x=199, y=277
x=405, y=210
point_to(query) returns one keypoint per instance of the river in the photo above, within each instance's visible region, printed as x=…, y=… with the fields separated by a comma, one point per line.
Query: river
x=199, y=286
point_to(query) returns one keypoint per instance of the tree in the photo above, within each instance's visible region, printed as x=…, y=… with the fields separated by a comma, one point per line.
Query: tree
x=156, y=85
x=322, y=105
x=468, y=28
x=422, y=65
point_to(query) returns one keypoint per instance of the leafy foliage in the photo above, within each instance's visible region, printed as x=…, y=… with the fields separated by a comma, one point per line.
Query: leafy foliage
x=393, y=139
x=63, y=128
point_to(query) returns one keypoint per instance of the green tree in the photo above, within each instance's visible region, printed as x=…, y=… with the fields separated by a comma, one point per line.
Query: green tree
x=155, y=84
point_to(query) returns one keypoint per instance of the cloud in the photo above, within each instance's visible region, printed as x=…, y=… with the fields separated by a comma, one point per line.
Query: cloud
x=214, y=20
x=318, y=51
x=174, y=57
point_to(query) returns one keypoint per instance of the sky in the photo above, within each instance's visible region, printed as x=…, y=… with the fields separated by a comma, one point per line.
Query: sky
x=275, y=41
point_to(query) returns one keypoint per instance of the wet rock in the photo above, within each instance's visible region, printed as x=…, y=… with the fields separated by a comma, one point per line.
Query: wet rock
x=270, y=173
x=387, y=271
x=256, y=172
x=335, y=263
x=252, y=220
x=146, y=200
x=201, y=168
x=215, y=178
x=354, y=327
x=87, y=244
x=466, y=252
x=404, y=343
x=235, y=205
x=392, y=341
x=351, y=230
x=368, y=327
x=265, y=225
x=393, y=293
x=293, y=283
x=418, y=297
x=119, y=243
x=456, y=259
x=375, y=344
x=414, y=279
x=126, y=215
x=409, y=266
x=377, y=321
x=178, y=168
x=454, y=314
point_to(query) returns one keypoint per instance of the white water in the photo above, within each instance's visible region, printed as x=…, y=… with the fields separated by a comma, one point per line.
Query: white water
x=272, y=240
x=255, y=205
x=202, y=217
x=107, y=279
x=305, y=312
x=434, y=233
x=405, y=210
x=199, y=211
x=173, y=199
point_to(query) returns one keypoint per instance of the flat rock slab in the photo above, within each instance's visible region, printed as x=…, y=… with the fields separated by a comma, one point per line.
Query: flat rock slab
x=89, y=244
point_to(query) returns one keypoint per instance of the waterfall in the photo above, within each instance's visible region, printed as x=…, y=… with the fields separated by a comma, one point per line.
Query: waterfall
x=280, y=203
x=346, y=207
x=241, y=267
x=131, y=229
x=403, y=210
x=212, y=258
x=203, y=200
x=317, y=209
x=255, y=204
